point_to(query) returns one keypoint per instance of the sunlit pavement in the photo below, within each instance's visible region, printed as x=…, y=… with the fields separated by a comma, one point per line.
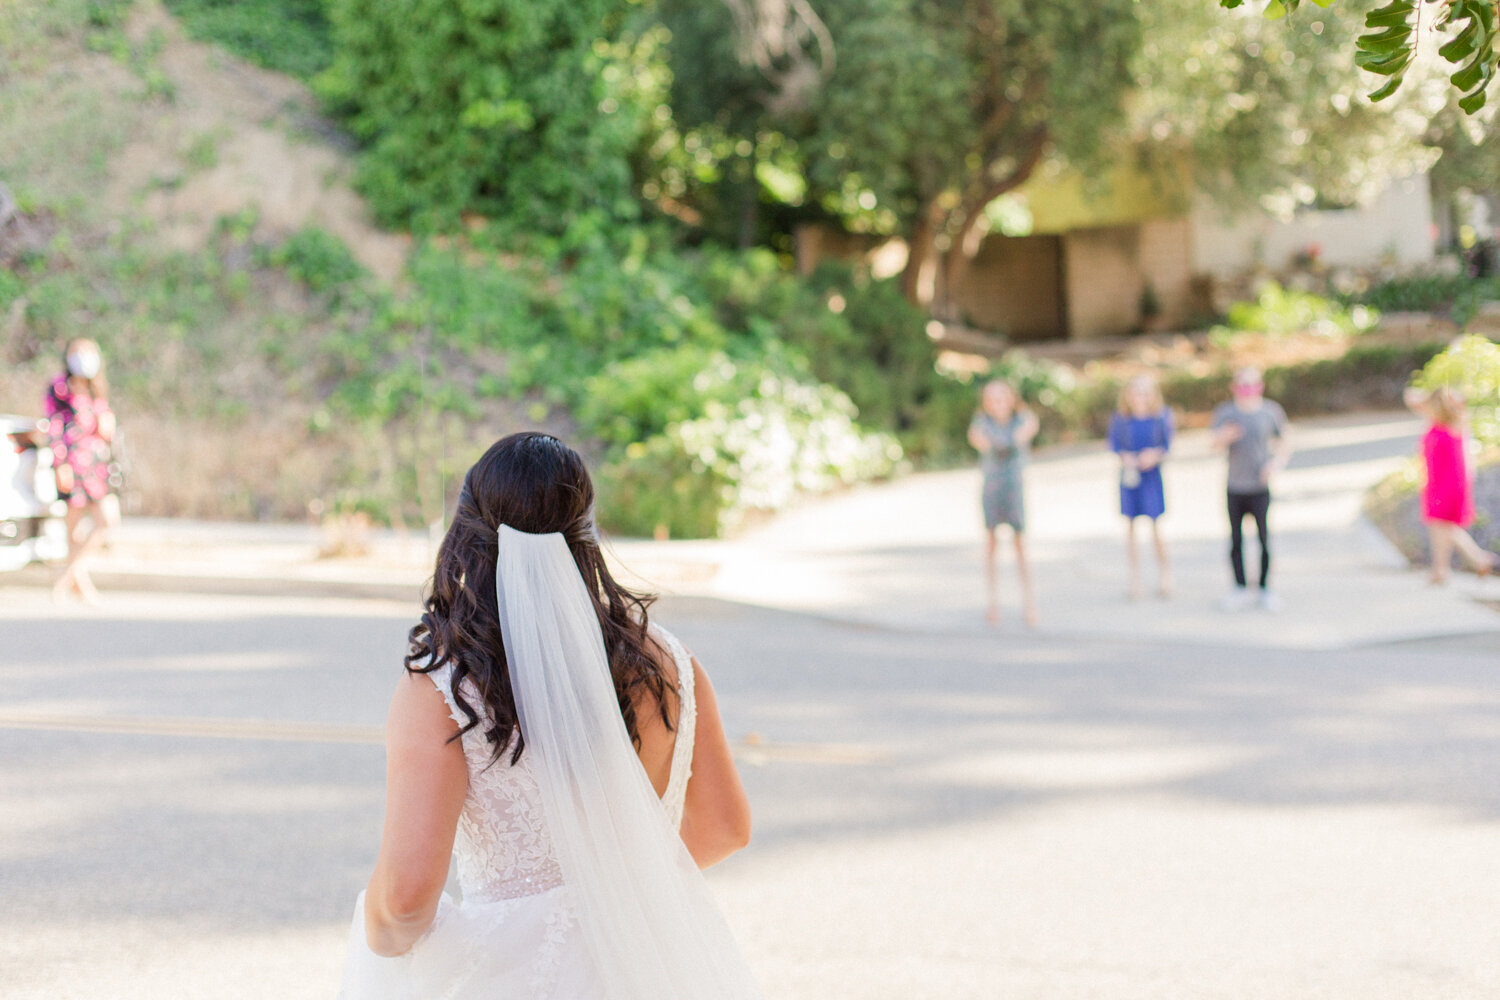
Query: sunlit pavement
x=908, y=555
x=1234, y=806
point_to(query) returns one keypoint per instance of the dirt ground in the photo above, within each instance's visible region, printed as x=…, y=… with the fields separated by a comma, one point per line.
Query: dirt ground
x=236, y=137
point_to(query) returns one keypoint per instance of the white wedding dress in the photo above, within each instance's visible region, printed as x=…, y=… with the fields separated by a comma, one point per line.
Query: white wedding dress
x=515, y=933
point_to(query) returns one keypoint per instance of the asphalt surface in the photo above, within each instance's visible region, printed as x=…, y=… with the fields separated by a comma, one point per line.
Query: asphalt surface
x=1137, y=800
x=190, y=796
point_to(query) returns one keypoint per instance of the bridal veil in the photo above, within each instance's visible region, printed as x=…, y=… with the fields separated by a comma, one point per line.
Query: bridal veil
x=643, y=907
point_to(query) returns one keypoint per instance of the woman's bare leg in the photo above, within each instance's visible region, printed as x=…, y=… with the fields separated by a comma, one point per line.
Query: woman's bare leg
x=1133, y=560
x=1163, y=566
x=991, y=579
x=1440, y=535
x=81, y=544
x=1023, y=569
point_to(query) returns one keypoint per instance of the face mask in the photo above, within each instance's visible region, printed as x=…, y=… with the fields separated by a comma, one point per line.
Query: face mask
x=83, y=365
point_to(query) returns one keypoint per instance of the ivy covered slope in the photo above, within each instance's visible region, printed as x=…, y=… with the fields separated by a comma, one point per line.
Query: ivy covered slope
x=266, y=361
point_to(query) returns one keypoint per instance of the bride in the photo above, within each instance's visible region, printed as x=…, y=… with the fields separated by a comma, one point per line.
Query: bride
x=569, y=755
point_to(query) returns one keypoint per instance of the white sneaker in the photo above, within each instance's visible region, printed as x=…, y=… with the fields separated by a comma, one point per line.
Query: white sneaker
x=1237, y=599
x=1269, y=602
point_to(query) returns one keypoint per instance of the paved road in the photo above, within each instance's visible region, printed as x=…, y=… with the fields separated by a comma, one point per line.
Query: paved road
x=190, y=795
x=1135, y=801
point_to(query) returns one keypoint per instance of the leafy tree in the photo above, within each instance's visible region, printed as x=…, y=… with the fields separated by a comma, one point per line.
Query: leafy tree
x=500, y=107
x=1388, y=46
x=744, y=75
x=936, y=109
x=930, y=111
x=1262, y=114
x=899, y=115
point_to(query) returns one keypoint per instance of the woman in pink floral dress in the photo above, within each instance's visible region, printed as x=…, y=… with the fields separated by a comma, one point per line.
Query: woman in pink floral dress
x=81, y=428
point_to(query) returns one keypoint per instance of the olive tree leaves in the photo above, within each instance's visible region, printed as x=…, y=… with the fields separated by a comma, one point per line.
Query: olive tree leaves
x=1389, y=42
x=1473, y=45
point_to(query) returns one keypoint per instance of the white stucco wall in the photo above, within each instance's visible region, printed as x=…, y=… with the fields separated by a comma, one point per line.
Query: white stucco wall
x=1395, y=227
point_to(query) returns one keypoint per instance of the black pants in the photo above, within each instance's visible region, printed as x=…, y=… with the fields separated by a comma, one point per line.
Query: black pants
x=1256, y=505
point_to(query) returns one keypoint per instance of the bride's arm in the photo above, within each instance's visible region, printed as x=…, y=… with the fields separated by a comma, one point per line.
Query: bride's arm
x=425, y=783
x=716, y=814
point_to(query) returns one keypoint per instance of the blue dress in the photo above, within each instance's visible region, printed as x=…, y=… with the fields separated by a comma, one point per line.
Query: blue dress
x=1132, y=435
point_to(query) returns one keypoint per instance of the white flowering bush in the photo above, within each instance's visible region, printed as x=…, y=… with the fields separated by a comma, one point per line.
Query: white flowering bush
x=778, y=437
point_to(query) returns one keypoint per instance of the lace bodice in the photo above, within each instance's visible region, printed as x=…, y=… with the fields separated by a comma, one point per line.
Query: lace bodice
x=675, y=797
x=503, y=847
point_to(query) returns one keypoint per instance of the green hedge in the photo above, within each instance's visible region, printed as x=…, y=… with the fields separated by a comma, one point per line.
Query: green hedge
x=1457, y=295
x=1367, y=377
x=500, y=108
x=288, y=36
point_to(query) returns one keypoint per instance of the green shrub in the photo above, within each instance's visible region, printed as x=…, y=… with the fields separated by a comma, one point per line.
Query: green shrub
x=655, y=487
x=1415, y=293
x=859, y=335
x=500, y=108
x=318, y=259
x=288, y=36
x=1278, y=310
x=638, y=398
x=1457, y=295
x=786, y=438
x=10, y=288
x=783, y=438
x=1366, y=377
x=107, y=13
x=1471, y=366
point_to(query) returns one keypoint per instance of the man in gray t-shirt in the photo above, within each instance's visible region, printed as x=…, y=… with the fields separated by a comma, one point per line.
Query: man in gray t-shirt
x=1253, y=431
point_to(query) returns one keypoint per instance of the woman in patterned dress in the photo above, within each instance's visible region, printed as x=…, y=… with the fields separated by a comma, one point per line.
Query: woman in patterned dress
x=1002, y=432
x=81, y=427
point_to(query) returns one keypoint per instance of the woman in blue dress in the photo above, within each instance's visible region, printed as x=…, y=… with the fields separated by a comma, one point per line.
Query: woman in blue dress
x=1140, y=432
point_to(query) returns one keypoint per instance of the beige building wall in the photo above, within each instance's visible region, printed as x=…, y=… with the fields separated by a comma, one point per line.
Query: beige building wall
x=1396, y=228
x=1014, y=286
x=1108, y=269
x=1166, y=260
x=1103, y=281
x=1080, y=284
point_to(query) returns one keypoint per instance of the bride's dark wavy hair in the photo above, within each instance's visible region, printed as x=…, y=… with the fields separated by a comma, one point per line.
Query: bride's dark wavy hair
x=533, y=483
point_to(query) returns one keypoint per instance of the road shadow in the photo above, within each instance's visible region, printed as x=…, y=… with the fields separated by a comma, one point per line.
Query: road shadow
x=844, y=733
x=966, y=730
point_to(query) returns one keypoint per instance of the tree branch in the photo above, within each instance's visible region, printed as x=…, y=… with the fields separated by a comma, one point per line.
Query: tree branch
x=971, y=210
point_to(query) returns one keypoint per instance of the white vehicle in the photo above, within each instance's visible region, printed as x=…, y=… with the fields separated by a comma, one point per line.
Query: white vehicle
x=32, y=519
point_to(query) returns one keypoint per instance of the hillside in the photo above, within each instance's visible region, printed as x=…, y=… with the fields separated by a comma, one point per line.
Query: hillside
x=273, y=354
x=192, y=212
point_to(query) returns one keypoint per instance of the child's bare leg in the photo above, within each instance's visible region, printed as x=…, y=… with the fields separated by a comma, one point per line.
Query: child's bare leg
x=1164, y=568
x=1440, y=535
x=1478, y=558
x=1133, y=559
x=991, y=579
x=1023, y=569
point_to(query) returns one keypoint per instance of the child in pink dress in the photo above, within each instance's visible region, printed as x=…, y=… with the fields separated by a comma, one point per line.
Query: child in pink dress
x=1448, y=495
